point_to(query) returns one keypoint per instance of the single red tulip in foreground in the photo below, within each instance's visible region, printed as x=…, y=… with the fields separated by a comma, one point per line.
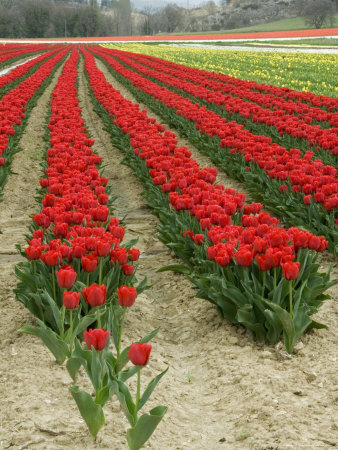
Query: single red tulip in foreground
x=126, y=295
x=139, y=354
x=96, y=338
x=66, y=276
x=95, y=294
x=89, y=262
x=290, y=270
x=71, y=299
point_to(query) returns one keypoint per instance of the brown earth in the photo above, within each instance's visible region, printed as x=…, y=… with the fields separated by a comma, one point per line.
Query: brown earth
x=223, y=390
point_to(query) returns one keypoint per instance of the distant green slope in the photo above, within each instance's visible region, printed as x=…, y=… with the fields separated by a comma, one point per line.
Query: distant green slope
x=296, y=23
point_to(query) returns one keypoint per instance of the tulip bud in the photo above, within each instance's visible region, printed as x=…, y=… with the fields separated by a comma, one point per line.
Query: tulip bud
x=96, y=338
x=89, y=262
x=139, y=353
x=95, y=295
x=66, y=276
x=126, y=295
x=290, y=270
x=71, y=299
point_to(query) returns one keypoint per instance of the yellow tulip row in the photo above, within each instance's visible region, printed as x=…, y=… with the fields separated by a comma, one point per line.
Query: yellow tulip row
x=300, y=71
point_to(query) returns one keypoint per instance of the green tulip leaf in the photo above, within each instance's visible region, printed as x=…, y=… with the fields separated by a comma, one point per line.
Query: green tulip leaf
x=104, y=394
x=149, y=389
x=91, y=412
x=54, y=343
x=144, y=428
x=73, y=366
x=175, y=268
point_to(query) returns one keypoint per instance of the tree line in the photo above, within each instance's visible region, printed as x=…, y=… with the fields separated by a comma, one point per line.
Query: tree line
x=90, y=18
x=79, y=18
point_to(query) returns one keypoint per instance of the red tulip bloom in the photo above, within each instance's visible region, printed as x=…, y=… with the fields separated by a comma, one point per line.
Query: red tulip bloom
x=118, y=232
x=139, y=354
x=66, y=276
x=244, y=257
x=133, y=254
x=89, y=262
x=33, y=252
x=128, y=269
x=51, y=257
x=71, y=299
x=126, y=295
x=96, y=338
x=120, y=255
x=198, y=238
x=263, y=263
x=290, y=270
x=95, y=294
x=103, y=247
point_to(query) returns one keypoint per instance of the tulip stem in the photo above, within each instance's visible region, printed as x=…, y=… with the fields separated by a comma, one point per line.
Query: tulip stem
x=34, y=267
x=71, y=331
x=88, y=275
x=63, y=313
x=274, y=278
x=54, y=287
x=290, y=298
x=120, y=331
x=100, y=271
x=264, y=281
x=98, y=317
x=138, y=393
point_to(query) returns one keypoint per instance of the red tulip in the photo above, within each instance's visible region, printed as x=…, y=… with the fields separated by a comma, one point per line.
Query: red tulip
x=71, y=299
x=95, y=294
x=263, y=263
x=89, y=262
x=120, y=255
x=290, y=270
x=33, y=252
x=66, y=276
x=139, y=354
x=133, y=254
x=96, y=338
x=198, y=238
x=128, y=269
x=103, y=247
x=126, y=295
x=244, y=257
x=51, y=257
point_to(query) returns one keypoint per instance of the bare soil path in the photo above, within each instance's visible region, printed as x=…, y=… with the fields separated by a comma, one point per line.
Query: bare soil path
x=223, y=390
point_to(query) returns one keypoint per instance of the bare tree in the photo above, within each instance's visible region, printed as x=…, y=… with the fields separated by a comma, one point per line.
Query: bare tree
x=319, y=12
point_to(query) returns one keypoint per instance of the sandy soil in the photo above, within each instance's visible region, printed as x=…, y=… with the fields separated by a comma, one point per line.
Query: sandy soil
x=223, y=390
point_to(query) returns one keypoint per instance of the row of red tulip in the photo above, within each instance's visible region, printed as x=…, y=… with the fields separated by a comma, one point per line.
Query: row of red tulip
x=20, y=52
x=13, y=104
x=21, y=70
x=74, y=225
x=279, y=119
x=215, y=221
x=75, y=233
x=315, y=181
x=240, y=89
x=307, y=98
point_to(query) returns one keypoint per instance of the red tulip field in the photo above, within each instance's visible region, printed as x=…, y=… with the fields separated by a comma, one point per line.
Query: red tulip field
x=169, y=249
